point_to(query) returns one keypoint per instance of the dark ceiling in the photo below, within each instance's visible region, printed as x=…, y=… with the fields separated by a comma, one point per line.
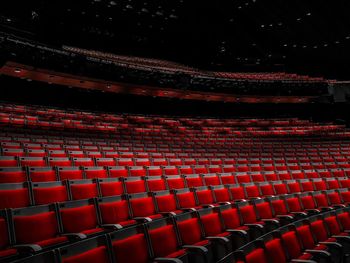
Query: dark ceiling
x=308, y=37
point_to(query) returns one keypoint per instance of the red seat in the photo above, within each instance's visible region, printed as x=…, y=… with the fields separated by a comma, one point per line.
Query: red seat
x=115, y=211
x=14, y=195
x=69, y=173
x=12, y=175
x=83, y=189
x=110, y=186
x=79, y=217
x=143, y=206
x=95, y=172
x=39, y=226
x=49, y=192
x=42, y=174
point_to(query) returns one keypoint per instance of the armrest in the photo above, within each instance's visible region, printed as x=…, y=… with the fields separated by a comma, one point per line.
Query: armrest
x=254, y=198
x=271, y=221
x=224, y=203
x=167, y=213
x=112, y=226
x=299, y=213
x=302, y=261
x=332, y=244
x=313, y=210
x=189, y=209
x=237, y=231
x=339, y=206
x=326, y=208
x=240, y=200
x=286, y=217
x=75, y=236
x=207, y=206
x=318, y=252
x=255, y=225
x=201, y=249
x=342, y=238
x=220, y=239
x=173, y=260
x=142, y=219
x=28, y=248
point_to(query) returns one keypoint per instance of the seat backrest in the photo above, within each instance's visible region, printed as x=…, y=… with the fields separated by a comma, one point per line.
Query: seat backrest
x=78, y=216
x=34, y=224
x=114, y=210
x=83, y=189
x=90, y=250
x=14, y=195
x=49, y=192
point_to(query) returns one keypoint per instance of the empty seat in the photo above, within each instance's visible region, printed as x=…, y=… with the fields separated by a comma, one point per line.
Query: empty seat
x=83, y=162
x=79, y=217
x=118, y=171
x=95, y=172
x=134, y=185
x=193, y=180
x=166, y=202
x=14, y=195
x=6, y=252
x=59, y=161
x=83, y=189
x=12, y=175
x=42, y=174
x=155, y=183
x=130, y=245
x=91, y=250
x=137, y=171
x=69, y=173
x=32, y=161
x=175, y=182
x=164, y=242
x=37, y=225
x=115, y=213
x=8, y=161
x=49, y=192
x=142, y=206
x=110, y=186
x=154, y=171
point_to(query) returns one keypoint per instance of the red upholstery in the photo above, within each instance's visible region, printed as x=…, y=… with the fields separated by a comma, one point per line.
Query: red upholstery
x=222, y=195
x=41, y=229
x=166, y=203
x=143, y=207
x=115, y=213
x=17, y=176
x=70, y=174
x=111, y=188
x=275, y=251
x=164, y=242
x=257, y=256
x=131, y=250
x=194, y=181
x=187, y=200
x=83, y=191
x=43, y=176
x=205, y=197
x=48, y=195
x=292, y=244
x=190, y=231
x=237, y=193
x=98, y=254
x=176, y=183
x=14, y=198
x=79, y=220
x=133, y=187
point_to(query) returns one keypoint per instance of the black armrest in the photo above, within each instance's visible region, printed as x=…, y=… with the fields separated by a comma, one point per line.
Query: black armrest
x=331, y=244
x=286, y=217
x=271, y=221
x=313, y=210
x=112, y=226
x=238, y=232
x=167, y=213
x=142, y=219
x=219, y=239
x=255, y=225
x=302, y=261
x=28, y=248
x=173, y=260
x=339, y=206
x=299, y=213
x=342, y=238
x=188, y=209
x=75, y=236
x=224, y=203
x=208, y=205
x=240, y=200
x=321, y=253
